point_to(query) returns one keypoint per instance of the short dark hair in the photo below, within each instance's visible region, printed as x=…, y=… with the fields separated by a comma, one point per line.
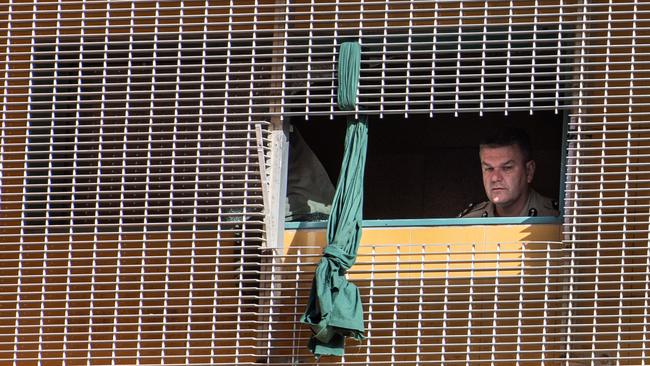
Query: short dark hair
x=507, y=137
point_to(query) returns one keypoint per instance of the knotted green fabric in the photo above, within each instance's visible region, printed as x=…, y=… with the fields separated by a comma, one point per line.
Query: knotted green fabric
x=349, y=70
x=334, y=310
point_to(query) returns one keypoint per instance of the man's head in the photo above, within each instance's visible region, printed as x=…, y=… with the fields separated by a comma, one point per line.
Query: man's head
x=508, y=169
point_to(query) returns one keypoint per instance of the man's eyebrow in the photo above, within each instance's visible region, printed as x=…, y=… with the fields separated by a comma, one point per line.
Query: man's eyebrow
x=511, y=161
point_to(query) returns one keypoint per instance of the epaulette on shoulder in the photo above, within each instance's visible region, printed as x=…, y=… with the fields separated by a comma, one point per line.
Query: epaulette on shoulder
x=473, y=207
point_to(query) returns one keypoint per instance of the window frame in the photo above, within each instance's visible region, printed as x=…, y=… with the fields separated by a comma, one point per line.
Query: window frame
x=465, y=221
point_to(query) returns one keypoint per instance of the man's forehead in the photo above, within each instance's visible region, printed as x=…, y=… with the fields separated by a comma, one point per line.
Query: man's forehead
x=500, y=154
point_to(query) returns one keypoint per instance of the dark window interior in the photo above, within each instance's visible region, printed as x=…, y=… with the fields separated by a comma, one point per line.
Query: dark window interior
x=422, y=167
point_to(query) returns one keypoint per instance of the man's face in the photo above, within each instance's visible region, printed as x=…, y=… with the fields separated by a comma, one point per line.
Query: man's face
x=506, y=175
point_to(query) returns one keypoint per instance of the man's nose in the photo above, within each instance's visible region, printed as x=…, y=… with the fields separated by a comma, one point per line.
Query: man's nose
x=496, y=176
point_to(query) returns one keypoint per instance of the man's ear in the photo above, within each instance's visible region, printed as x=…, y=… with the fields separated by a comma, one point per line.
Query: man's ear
x=530, y=171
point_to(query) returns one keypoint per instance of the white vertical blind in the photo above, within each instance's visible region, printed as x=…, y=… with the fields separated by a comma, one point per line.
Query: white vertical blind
x=135, y=146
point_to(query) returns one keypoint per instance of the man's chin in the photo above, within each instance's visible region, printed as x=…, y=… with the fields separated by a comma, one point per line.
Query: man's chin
x=499, y=200
x=498, y=195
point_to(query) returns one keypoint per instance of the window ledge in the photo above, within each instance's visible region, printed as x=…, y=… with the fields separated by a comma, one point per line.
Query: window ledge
x=436, y=222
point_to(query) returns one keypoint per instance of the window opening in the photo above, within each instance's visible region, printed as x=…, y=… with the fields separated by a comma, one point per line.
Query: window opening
x=420, y=168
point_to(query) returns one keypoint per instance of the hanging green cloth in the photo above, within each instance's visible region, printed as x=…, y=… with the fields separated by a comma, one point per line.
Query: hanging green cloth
x=334, y=310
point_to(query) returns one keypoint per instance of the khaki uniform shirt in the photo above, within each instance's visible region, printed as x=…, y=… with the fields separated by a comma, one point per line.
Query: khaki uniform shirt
x=537, y=205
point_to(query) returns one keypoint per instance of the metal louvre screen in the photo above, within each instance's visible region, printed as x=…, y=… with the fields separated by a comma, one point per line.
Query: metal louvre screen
x=434, y=57
x=132, y=192
x=137, y=175
x=607, y=225
x=451, y=303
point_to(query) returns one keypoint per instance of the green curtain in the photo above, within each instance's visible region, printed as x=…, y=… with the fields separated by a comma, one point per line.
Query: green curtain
x=334, y=310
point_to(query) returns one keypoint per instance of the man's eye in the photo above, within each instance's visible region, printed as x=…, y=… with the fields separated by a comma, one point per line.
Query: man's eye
x=507, y=168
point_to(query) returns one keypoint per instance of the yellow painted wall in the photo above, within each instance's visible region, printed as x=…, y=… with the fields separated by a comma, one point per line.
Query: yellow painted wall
x=479, y=247
x=479, y=234
x=445, y=279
